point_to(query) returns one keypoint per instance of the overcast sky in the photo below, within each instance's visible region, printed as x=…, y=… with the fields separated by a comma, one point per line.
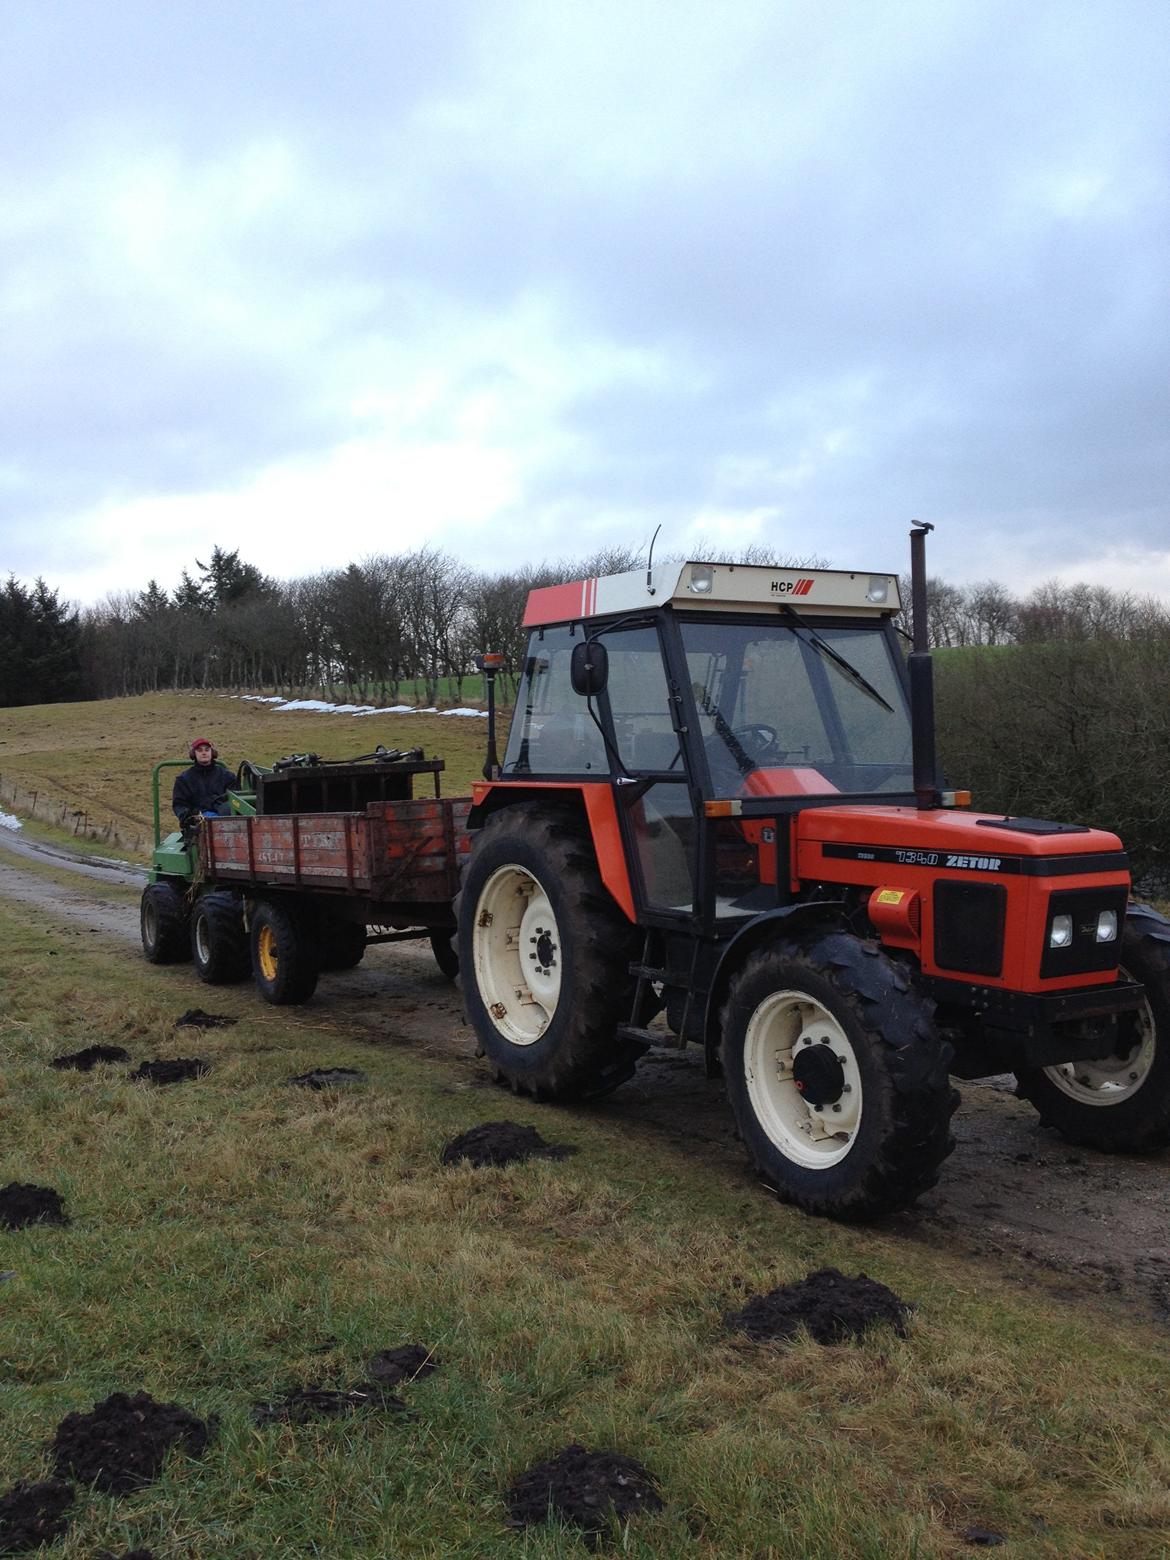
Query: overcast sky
x=324, y=278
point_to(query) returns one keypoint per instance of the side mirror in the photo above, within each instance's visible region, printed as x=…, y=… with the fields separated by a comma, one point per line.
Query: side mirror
x=589, y=668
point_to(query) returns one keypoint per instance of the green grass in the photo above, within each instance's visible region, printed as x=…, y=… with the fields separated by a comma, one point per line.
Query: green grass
x=96, y=758
x=233, y=1236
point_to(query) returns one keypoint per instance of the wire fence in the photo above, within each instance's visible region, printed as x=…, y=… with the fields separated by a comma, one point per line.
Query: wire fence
x=81, y=822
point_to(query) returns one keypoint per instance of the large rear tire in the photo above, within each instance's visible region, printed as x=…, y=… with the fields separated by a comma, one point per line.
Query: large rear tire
x=837, y=1076
x=163, y=923
x=219, y=943
x=545, y=956
x=1119, y=1103
x=284, y=954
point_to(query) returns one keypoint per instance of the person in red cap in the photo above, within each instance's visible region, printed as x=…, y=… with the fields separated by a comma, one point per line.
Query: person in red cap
x=202, y=789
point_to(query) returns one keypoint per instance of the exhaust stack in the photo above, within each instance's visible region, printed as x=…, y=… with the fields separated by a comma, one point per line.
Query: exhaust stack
x=926, y=791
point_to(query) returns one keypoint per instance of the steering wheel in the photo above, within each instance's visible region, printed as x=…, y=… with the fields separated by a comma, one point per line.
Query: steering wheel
x=758, y=741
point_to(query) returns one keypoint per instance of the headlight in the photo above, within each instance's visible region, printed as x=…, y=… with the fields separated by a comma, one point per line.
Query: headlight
x=1107, y=926
x=1060, y=933
x=879, y=589
x=702, y=580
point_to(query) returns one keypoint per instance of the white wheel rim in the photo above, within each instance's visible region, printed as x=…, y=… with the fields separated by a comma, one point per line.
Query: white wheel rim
x=784, y=1025
x=516, y=946
x=1108, y=1080
x=202, y=939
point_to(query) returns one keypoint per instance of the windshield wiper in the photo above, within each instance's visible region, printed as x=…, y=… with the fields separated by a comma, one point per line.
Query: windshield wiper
x=810, y=637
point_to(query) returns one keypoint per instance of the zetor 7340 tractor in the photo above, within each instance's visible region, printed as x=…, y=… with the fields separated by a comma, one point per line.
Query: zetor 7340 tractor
x=720, y=800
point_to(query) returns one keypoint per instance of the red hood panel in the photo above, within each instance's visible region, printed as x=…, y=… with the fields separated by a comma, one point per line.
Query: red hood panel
x=943, y=829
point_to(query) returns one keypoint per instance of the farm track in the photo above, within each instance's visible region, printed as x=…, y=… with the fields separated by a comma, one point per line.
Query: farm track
x=1083, y=1225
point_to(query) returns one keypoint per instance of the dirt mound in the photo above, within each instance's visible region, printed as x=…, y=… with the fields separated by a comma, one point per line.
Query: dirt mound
x=587, y=1489
x=502, y=1143
x=32, y=1514
x=982, y=1538
x=328, y=1078
x=21, y=1205
x=131, y=1554
x=122, y=1443
x=198, y=1019
x=301, y=1405
x=832, y=1307
x=181, y=1068
x=410, y=1362
x=87, y=1060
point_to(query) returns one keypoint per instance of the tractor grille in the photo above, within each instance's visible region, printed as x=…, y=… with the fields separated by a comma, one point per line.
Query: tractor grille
x=968, y=926
x=1084, y=954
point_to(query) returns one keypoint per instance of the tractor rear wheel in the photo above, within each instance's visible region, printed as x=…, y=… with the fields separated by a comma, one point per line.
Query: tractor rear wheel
x=284, y=955
x=163, y=921
x=219, y=944
x=545, y=956
x=341, y=945
x=1119, y=1103
x=837, y=1076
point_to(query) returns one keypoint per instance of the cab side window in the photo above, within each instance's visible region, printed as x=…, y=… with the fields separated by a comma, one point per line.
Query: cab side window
x=552, y=731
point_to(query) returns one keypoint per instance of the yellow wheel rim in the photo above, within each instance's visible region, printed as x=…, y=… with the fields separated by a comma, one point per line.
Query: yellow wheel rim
x=266, y=952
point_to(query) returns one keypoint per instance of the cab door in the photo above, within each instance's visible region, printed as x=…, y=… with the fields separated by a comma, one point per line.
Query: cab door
x=656, y=801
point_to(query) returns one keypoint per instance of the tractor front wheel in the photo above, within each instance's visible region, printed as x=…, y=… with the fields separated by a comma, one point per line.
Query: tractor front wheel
x=837, y=1077
x=545, y=956
x=1119, y=1103
x=219, y=944
x=163, y=922
x=284, y=955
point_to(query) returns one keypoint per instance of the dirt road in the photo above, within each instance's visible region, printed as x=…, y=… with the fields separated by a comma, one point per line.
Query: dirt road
x=1084, y=1223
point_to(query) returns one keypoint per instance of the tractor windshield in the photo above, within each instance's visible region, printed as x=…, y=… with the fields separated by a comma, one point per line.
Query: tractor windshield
x=828, y=708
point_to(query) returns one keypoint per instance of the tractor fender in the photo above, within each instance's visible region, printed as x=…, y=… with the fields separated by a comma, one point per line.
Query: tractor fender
x=595, y=799
x=785, y=921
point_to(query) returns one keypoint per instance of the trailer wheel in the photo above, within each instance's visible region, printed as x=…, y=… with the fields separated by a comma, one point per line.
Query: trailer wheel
x=1119, y=1103
x=219, y=944
x=545, y=955
x=446, y=954
x=284, y=958
x=837, y=1076
x=341, y=945
x=163, y=921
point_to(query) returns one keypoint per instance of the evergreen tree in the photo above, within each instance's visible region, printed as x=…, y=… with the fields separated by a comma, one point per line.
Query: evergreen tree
x=40, y=646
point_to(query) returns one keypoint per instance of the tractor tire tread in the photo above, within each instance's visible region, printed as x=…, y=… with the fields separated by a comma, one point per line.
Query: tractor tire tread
x=886, y=1003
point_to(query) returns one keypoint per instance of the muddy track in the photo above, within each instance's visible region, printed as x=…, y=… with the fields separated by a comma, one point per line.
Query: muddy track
x=1081, y=1223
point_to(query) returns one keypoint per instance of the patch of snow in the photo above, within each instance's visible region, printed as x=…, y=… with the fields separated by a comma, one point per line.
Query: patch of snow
x=322, y=707
x=7, y=821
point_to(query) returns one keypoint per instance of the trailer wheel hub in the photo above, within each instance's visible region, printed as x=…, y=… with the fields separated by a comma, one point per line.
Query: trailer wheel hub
x=818, y=1074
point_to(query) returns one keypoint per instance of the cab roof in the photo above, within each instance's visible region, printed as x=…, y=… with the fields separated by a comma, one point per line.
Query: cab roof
x=745, y=587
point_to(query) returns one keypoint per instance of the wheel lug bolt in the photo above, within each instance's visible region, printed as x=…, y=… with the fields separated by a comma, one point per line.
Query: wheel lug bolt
x=846, y=1088
x=818, y=1107
x=1133, y=1077
x=837, y=1109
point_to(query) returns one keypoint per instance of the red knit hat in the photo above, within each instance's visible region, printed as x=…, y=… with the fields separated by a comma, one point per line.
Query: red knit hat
x=203, y=742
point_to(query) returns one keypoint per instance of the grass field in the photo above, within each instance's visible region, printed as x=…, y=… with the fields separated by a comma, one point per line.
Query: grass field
x=234, y=1236
x=88, y=765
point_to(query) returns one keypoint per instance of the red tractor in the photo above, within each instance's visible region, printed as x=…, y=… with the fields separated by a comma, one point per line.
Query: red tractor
x=720, y=801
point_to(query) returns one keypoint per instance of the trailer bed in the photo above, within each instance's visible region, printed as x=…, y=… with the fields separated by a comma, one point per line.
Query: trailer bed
x=392, y=852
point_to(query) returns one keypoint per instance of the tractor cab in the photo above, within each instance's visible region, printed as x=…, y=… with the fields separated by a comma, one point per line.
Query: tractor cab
x=699, y=689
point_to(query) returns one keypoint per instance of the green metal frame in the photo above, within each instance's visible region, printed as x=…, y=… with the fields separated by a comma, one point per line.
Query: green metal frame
x=174, y=857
